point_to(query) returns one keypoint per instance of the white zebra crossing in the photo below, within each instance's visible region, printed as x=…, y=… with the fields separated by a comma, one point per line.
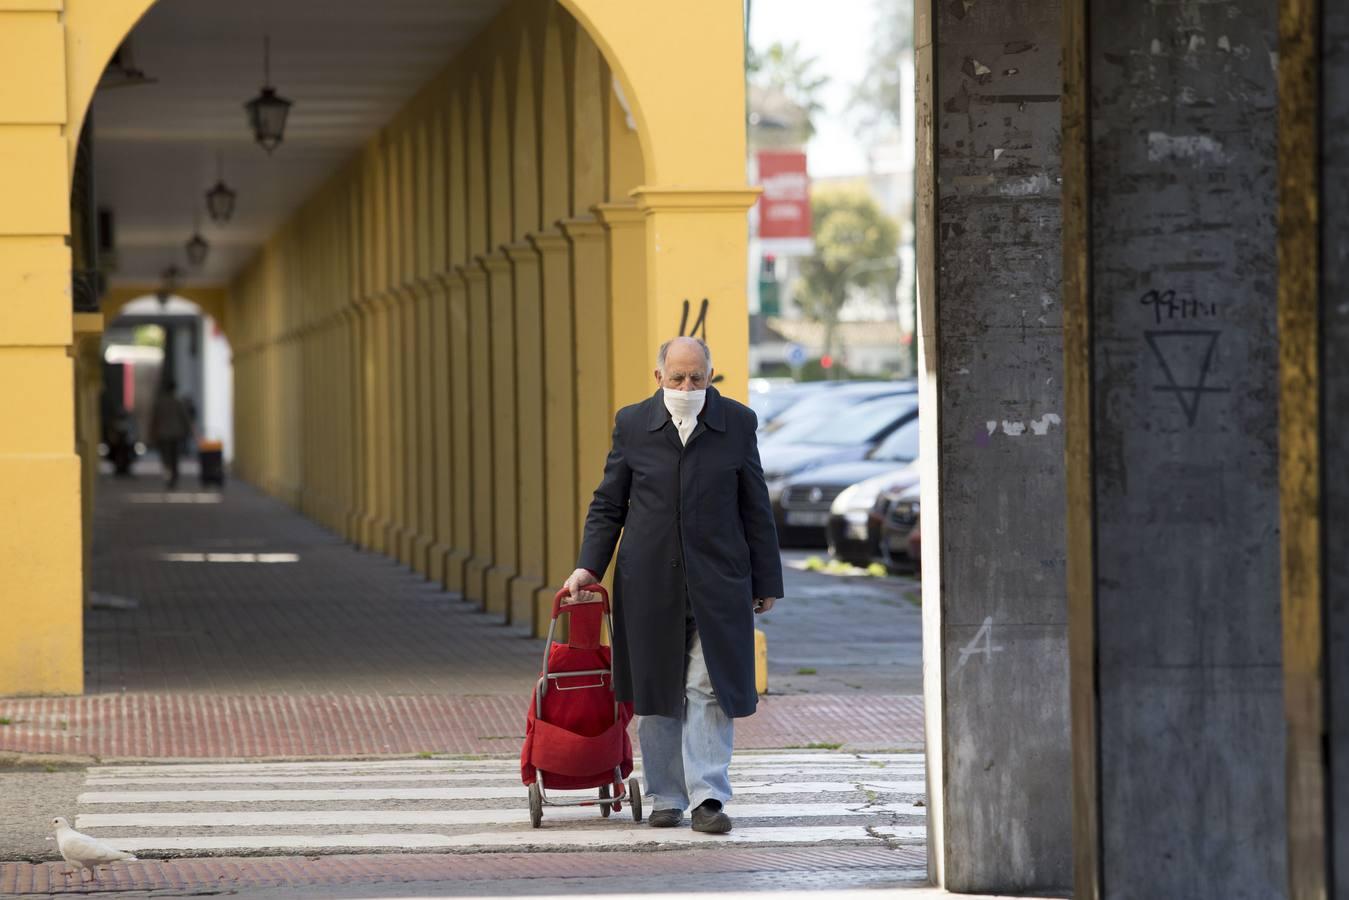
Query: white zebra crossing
x=822, y=797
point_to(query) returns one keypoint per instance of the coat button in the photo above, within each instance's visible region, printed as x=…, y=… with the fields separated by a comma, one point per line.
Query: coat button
x=674, y=563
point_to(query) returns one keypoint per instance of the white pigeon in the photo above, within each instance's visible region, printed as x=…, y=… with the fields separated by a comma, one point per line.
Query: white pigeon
x=83, y=850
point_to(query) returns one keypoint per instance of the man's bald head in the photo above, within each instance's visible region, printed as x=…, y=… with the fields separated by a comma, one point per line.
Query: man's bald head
x=685, y=364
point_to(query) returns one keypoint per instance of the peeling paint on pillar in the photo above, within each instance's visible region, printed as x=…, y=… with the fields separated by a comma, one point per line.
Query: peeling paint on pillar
x=1183, y=202
x=998, y=357
x=1335, y=401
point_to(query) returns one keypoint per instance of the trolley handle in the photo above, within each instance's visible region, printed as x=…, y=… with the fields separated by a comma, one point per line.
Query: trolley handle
x=595, y=588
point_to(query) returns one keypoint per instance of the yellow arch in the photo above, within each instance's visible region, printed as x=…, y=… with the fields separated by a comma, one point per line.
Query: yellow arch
x=213, y=301
x=642, y=42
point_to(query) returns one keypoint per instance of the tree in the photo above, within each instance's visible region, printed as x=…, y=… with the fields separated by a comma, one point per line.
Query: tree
x=854, y=249
x=877, y=97
x=785, y=70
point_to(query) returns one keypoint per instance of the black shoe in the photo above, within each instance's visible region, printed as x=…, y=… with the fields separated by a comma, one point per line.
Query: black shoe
x=709, y=818
x=665, y=818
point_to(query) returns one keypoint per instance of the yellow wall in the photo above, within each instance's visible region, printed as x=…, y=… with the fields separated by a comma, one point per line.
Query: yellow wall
x=429, y=353
x=40, y=520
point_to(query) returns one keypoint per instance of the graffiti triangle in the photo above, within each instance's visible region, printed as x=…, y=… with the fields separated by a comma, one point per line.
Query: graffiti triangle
x=1186, y=358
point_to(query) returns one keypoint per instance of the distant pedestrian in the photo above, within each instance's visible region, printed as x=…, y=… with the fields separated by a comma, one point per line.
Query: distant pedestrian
x=699, y=557
x=170, y=425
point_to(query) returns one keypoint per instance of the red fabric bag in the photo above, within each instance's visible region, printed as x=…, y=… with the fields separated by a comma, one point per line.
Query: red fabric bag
x=577, y=743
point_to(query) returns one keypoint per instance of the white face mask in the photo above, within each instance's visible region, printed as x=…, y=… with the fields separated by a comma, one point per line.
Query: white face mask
x=684, y=404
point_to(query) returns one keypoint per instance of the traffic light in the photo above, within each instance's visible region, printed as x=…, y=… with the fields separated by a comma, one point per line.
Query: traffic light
x=826, y=362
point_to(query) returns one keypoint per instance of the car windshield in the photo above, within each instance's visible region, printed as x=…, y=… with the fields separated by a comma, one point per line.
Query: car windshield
x=813, y=404
x=900, y=446
x=858, y=424
x=768, y=405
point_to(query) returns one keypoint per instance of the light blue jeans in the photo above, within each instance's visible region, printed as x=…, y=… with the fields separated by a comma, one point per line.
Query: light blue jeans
x=686, y=760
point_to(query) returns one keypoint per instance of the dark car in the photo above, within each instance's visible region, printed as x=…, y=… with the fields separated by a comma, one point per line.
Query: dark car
x=899, y=539
x=808, y=503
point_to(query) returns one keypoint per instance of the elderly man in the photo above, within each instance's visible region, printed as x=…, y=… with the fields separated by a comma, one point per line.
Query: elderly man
x=699, y=556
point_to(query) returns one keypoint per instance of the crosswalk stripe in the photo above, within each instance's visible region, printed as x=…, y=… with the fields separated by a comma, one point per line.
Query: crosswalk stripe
x=544, y=837
x=459, y=793
x=504, y=764
x=514, y=816
x=355, y=777
x=820, y=797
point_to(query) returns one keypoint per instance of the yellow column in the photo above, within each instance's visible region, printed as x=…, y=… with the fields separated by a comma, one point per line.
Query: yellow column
x=501, y=297
x=399, y=332
x=630, y=361
x=532, y=438
x=409, y=402
x=368, y=525
x=457, y=565
x=503, y=424
x=88, y=335
x=385, y=441
x=442, y=459
x=590, y=325
x=480, y=349
x=461, y=436
x=479, y=425
x=40, y=534
x=559, y=414
x=425, y=487
x=696, y=246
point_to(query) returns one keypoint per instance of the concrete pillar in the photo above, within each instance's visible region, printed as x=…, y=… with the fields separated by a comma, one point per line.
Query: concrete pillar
x=1172, y=367
x=1333, y=186
x=994, y=610
x=1313, y=234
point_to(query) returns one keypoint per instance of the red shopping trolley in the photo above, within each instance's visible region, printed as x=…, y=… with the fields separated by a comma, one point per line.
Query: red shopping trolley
x=576, y=736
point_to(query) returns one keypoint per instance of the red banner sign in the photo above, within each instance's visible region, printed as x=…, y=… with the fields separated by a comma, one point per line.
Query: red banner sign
x=784, y=207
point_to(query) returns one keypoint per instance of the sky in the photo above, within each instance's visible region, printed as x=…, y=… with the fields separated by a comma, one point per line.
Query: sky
x=838, y=34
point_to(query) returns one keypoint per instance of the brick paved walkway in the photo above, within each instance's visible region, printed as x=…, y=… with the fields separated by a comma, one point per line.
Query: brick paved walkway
x=837, y=865
x=253, y=632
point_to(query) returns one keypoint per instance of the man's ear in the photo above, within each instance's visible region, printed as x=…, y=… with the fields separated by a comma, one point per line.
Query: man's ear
x=711, y=373
x=656, y=372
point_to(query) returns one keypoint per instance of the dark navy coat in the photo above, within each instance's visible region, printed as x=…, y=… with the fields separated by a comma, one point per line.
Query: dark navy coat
x=698, y=533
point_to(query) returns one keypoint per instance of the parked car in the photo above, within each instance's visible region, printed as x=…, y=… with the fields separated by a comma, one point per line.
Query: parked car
x=769, y=402
x=900, y=541
x=803, y=502
x=825, y=399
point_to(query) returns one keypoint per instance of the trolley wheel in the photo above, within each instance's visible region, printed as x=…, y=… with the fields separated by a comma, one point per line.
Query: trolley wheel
x=535, y=805
x=635, y=799
x=604, y=795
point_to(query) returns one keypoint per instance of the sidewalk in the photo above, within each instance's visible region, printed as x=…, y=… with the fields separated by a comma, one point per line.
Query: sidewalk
x=255, y=633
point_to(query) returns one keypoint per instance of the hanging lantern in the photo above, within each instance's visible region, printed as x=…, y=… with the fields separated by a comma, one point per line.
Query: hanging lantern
x=268, y=110
x=220, y=199
x=168, y=285
x=197, y=249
